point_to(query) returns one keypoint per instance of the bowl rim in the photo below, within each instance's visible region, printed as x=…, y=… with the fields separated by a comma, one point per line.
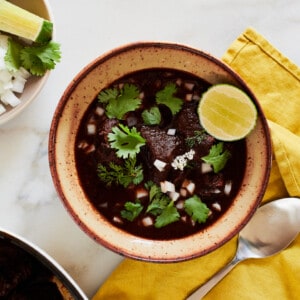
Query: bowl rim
x=53, y=160
x=45, y=259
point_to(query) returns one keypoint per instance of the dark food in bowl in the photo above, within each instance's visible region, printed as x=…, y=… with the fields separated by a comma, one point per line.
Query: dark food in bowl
x=171, y=155
x=22, y=276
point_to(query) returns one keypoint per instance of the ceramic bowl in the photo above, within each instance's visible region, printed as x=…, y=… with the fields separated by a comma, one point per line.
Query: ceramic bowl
x=34, y=84
x=9, y=240
x=70, y=111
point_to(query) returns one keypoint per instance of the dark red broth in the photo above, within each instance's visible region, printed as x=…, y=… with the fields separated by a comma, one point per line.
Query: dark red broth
x=92, y=149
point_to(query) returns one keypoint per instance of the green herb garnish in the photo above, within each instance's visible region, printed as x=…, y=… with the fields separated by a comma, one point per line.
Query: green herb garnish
x=157, y=199
x=217, y=157
x=126, y=141
x=121, y=174
x=197, y=138
x=151, y=116
x=131, y=210
x=118, y=102
x=195, y=208
x=166, y=97
x=36, y=58
x=168, y=215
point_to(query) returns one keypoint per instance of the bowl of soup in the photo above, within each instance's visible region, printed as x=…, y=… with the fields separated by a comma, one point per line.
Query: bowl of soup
x=135, y=168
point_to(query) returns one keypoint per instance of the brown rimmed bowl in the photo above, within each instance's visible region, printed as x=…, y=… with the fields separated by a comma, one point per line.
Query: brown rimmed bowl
x=66, y=121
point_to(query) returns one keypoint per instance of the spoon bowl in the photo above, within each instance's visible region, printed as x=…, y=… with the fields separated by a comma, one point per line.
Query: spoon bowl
x=272, y=228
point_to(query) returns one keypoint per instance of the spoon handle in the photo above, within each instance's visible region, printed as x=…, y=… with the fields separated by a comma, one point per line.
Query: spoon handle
x=207, y=286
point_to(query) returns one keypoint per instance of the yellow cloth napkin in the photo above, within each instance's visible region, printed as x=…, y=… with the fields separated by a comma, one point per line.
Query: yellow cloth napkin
x=275, y=80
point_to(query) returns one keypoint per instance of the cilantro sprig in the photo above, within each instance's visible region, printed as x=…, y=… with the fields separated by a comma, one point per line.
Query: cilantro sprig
x=151, y=116
x=122, y=175
x=217, y=157
x=166, y=97
x=118, y=102
x=126, y=141
x=195, y=208
x=35, y=58
x=131, y=210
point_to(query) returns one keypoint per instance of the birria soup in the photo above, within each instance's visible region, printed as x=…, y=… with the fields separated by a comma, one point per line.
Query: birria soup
x=22, y=276
x=145, y=162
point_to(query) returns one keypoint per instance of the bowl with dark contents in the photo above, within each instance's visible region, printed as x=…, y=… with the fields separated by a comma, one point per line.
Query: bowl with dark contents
x=27, y=272
x=136, y=168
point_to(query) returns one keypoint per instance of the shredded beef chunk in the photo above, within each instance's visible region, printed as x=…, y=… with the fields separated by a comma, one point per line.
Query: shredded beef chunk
x=105, y=153
x=187, y=120
x=160, y=146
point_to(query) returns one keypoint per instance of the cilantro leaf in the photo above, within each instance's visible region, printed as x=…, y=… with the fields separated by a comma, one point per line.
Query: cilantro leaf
x=119, y=102
x=131, y=211
x=37, y=59
x=126, y=141
x=108, y=94
x=217, y=157
x=166, y=97
x=12, y=56
x=121, y=175
x=195, y=208
x=151, y=116
x=157, y=199
x=169, y=215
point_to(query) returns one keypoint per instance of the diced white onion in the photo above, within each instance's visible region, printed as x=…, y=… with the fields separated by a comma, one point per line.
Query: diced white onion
x=179, y=82
x=174, y=195
x=141, y=193
x=180, y=204
x=188, y=97
x=171, y=131
x=117, y=220
x=2, y=109
x=159, y=165
x=18, y=84
x=216, y=206
x=167, y=186
x=228, y=187
x=206, y=168
x=189, y=85
x=10, y=81
x=99, y=111
x=103, y=205
x=91, y=129
x=183, y=192
x=191, y=187
x=147, y=221
x=8, y=97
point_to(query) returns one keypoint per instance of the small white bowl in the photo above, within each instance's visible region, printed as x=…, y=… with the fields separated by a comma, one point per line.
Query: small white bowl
x=34, y=84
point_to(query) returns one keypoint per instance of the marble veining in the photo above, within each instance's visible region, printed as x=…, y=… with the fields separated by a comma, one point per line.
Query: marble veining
x=29, y=204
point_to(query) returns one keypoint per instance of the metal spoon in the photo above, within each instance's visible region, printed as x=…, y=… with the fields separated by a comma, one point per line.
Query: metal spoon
x=272, y=228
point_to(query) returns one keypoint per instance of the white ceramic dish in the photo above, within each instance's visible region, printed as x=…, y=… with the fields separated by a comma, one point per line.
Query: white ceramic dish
x=34, y=84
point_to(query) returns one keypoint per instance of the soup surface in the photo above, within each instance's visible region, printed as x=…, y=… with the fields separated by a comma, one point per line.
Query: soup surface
x=145, y=162
x=22, y=276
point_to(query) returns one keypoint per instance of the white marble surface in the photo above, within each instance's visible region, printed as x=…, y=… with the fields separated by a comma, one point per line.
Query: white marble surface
x=29, y=204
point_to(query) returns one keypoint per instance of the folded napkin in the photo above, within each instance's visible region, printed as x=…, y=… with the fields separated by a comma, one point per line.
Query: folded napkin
x=275, y=80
